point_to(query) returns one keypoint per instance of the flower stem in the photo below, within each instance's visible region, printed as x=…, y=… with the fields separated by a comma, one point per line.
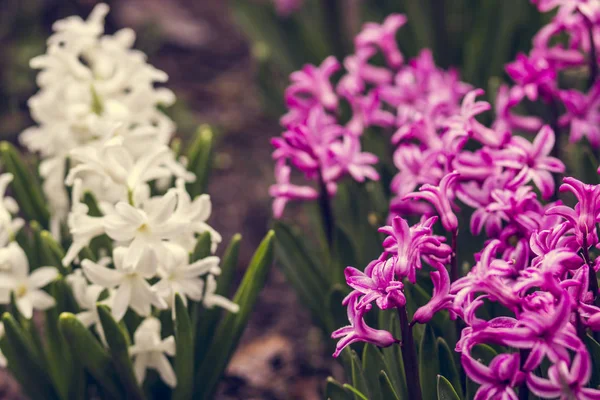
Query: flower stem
x=453, y=258
x=333, y=17
x=523, y=389
x=326, y=211
x=592, y=60
x=593, y=284
x=409, y=357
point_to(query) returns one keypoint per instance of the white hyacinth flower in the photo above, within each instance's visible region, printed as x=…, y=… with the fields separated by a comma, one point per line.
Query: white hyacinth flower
x=15, y=278
x=130, y=282
x=3, y=361
x=8, y=206
x=97, y=80
x=143, y=228
x=149, y=351
x=83, y=227
x=194, y=214
x=87, y=296
x=211, y=299
x=179, y=276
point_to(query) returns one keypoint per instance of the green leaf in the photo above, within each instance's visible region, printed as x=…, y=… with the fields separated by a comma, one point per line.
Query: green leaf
x=232, y=326
x=209, y=319
x=335, y=391
x=372, y=364
x=202, y=247
x=199, y=159
x=118, y=344
x=358, y=376
x=387, y=389
x=25, y=361
x=307, y=279
x=393, y=354
x=52, y=253
x=448, y=366
x=429, y=364
x=60, y=362
x=342, y=256
x=358, y=395
x=184, y=356
x=445, y=391
x=26, y=188
x=90, y=353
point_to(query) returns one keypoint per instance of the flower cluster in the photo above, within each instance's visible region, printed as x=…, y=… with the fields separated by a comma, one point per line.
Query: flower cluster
x=105, y=90
x=537, y=262
x=107, y=143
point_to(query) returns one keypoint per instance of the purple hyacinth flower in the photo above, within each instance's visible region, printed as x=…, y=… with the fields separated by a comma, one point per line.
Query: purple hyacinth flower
x=506, y=120
x=585, y=214
x=497, y=380
x=409, y=245
x=566, y=382
x=358, y=330
x=283, y=190
x=285, y=8
x=347, y=157
x=439, y=197
x=383, y=37
x=311, y=86
x=532, y=75
x=532, y=160
x=583, y=115
x=441, y=298
x=377, y=283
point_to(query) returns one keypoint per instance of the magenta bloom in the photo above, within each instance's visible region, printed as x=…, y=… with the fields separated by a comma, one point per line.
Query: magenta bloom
x=532, y=75
x=358, y=330
x=497, y=380
x=359, y=72
x=285, y=8
x=378, y=284
x=532, y=160
x=383, y=37
x=585, y=214
x=283, y=190
x=347, y=157
x=438, y=196
x=312, y=86
x=415, y=167
x=566, y=382
x=583, y=115
x=441, y=298
x=411, y=244
x=506, y=120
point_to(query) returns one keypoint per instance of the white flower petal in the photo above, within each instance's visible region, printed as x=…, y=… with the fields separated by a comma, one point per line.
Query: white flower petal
x=42, y=276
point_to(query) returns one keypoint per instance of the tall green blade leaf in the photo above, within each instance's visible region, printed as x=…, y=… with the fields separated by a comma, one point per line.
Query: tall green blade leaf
x=199, y=159
x=445, y=391
x=373, y=363
x=210, y=317
x=25, y=361
x=335, y=391
x=387, y=389
x=118, y=343
x=307, y=279
x=448, y=367
x=26, y=188
x=90, y=353
x=429, y=364
x=184, y=356
x=231, y=327
x=358, y=376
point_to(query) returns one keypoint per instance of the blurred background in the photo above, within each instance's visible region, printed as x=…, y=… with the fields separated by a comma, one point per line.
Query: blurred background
x=228, y=63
